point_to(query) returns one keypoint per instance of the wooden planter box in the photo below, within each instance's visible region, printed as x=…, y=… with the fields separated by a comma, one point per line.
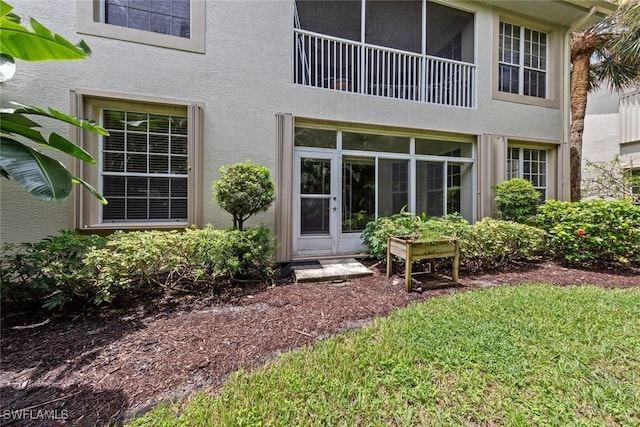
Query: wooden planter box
x=411, y=248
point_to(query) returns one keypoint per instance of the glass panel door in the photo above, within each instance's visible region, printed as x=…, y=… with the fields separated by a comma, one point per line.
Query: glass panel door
x=315, y=195
x=316, y=207
x=430, y=185
x=358, y=193
x=393, y=186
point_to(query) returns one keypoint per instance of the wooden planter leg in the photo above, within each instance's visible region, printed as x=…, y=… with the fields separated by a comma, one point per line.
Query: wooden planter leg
x=407, y=269
x=456, y=264
x=389, y=258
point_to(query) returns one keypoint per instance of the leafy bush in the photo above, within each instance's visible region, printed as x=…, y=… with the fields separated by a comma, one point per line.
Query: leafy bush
x=84, y=269
x=487, y=244
x=233, y=254
x=51, y=271
x=243, y=190
x=593, y=231
x=516, y=200
x=493, y=243
x=196, y=258
x=138, y=259
x=376, y=233
x=453, y=225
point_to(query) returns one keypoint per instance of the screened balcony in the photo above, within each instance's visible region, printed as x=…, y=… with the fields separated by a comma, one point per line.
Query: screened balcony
x=412, y=50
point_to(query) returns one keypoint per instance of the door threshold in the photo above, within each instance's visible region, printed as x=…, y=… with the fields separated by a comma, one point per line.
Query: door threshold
x=322, y=257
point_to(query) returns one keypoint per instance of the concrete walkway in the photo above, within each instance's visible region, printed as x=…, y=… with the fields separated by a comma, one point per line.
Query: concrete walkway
x=328, y=270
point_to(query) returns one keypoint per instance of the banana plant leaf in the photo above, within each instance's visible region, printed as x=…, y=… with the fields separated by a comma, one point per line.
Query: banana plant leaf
x=57, y=115
x=42, y=176
x=37, y=45
x=12, y=124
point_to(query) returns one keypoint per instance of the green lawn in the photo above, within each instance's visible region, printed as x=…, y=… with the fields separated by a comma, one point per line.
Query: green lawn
x=526, y=355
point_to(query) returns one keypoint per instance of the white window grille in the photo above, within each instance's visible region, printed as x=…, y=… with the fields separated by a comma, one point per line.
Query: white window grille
x=144, y=167
x=529, y=164
x=522, y=61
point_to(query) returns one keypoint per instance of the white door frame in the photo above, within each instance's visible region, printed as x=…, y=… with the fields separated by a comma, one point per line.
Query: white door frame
x=316, y=244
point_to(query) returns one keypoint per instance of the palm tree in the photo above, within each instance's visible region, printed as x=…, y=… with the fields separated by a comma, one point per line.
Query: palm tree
x=607, y=52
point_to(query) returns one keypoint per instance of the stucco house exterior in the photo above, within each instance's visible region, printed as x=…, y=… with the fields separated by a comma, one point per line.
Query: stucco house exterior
x=611, y=129
x=360, y=108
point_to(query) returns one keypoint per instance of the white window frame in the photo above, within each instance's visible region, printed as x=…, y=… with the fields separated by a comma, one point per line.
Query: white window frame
x=553, y=64
x=90, y=20
x=521, y=161
x=520, y=65
x=90, y=104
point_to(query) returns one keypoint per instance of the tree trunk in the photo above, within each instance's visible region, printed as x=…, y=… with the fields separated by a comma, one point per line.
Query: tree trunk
x=582, y=47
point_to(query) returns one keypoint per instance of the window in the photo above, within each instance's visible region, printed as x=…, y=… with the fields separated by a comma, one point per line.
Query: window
x=143, y=167
x=148, y=167
x=159, y=16
x=634, y=178
x=522, y=61
x=529, y=164
x=175, y=24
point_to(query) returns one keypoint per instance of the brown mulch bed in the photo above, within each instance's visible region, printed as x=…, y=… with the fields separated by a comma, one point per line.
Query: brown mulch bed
x=104, y=366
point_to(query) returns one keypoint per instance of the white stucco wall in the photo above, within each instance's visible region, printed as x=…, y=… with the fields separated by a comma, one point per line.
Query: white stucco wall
x=244, y=78
x=601, y=141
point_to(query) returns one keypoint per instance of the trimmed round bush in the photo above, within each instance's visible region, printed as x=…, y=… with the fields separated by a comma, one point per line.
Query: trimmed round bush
x=516, y=200
x=243, y=190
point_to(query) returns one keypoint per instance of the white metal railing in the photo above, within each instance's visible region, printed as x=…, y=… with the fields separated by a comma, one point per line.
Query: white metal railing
x=346, y=65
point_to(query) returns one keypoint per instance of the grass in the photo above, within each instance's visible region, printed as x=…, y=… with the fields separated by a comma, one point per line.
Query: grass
x=527, y=355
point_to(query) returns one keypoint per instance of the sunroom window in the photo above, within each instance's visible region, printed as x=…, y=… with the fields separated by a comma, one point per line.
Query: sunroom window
x=411, y=49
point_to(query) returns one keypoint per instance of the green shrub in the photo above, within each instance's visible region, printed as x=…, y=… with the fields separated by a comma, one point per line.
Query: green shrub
x=73, y=269
x=493, y=243
x=186, y=261
x=591, y=232
x=376, y=233
x=516, y=200
x=487, y=244
x=233, y=254
x=243, y=190
x=143, y=260
x=51, y=271
x=452, y=225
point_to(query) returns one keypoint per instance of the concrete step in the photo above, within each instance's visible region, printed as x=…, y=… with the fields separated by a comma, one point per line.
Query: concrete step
x=327, y=270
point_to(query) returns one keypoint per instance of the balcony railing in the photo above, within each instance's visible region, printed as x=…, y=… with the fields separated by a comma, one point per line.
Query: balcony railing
x=346, y=65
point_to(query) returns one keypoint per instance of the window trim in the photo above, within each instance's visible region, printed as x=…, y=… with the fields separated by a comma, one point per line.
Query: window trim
x=549, y=189
x=89, y=21
x=86, y=209
x=552, y=99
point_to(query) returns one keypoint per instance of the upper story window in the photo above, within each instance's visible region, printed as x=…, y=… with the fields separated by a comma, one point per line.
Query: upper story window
x=159, y=16
x=629, y=109
x=173, y=24
x=522, y=61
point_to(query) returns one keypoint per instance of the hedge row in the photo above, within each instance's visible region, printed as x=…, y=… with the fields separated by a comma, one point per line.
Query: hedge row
x=76, y=269
x=589, y=233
